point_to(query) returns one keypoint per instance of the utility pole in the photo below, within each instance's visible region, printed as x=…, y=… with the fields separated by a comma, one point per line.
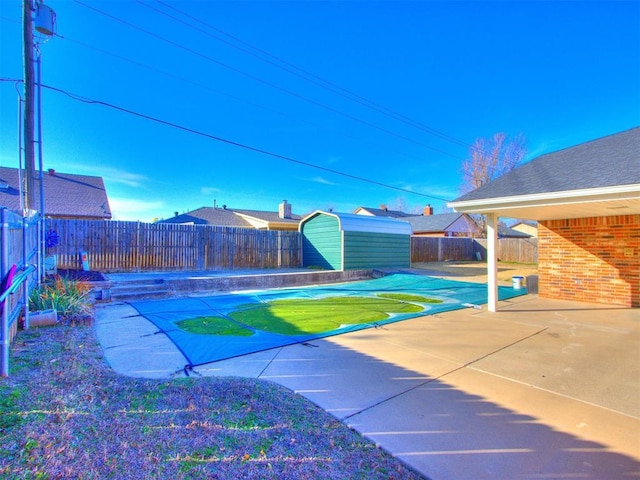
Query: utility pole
x=29, y=130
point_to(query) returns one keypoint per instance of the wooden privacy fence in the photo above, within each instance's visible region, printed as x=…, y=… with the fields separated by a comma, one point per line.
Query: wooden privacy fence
x=115, y=246
x=440, y=249
x=519, y=250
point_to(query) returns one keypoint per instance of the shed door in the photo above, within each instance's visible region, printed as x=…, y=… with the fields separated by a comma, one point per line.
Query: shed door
x=322, y=243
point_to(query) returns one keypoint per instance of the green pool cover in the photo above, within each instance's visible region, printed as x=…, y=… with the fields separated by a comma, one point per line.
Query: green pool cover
x=212, y=328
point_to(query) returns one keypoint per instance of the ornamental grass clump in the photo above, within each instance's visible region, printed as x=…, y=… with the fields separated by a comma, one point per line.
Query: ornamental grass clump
x=69, y=298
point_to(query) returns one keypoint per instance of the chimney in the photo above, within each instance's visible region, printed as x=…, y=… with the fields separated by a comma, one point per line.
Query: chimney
x=428, y=210
x=383, y=207
x=52, y=171
x=284, y=210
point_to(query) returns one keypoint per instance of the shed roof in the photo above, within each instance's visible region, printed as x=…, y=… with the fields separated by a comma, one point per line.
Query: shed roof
x=351, y=222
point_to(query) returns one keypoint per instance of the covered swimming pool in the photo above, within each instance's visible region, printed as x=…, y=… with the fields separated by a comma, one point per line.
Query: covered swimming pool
x=217, y=327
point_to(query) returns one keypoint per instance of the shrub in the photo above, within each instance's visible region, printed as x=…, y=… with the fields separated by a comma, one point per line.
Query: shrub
x=68, y=297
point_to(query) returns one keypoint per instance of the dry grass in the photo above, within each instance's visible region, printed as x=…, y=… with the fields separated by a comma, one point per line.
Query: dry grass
x=65, y=414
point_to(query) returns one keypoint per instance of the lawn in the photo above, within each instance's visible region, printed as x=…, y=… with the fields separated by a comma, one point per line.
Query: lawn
x=65, y=414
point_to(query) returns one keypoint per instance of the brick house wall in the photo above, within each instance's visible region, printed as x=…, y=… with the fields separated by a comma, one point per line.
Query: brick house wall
x=590, y=259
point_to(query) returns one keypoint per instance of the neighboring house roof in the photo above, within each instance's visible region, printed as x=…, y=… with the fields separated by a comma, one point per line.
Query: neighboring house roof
x=442, y=222
x=220, y=217
x=264, y=219
x=65, y=195
x=529, y=223
x=382, y=212
x=239, y=218
x=596, y=178
x=506, y=232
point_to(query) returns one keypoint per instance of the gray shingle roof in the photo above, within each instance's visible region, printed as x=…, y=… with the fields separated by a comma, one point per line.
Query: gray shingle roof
x=605, y=162
x=65, y=194
x=510, y=232
x=269, y=216
x=210, y=216
x=432, y=223
x=380, y=212
x=229, y=217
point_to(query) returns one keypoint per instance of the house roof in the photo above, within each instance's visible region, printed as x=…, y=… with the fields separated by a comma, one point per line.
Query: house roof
x=432, y=223
x=384, y=212
x=220, y=217
x=65, y=194
x=351, y=222
x=504, y=232
x=239, y=218
x=596, y=178
x=530, y=223
x=269, y=216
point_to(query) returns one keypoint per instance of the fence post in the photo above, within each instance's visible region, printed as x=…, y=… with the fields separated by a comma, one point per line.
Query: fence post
x=199, y=234
x=4, y=267
x=138, y=247
x=279, y=249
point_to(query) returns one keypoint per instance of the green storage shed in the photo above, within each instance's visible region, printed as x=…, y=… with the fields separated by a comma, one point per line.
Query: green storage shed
x=345, y=241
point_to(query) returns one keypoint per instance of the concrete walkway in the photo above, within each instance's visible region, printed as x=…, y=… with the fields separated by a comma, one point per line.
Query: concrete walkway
x=540, y=389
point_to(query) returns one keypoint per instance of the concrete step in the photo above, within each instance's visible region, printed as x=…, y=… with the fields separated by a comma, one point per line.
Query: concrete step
x=132, y=290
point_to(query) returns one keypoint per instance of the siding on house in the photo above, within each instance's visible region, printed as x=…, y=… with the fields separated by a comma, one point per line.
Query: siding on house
x=526, y=227
x=591, y=259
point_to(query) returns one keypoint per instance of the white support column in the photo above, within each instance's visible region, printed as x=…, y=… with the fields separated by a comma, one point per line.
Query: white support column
x=492, y=262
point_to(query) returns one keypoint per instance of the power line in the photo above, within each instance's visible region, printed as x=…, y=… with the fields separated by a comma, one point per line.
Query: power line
x=231, y=142
x=265, y=82
x=226, y=94
x=302, y=73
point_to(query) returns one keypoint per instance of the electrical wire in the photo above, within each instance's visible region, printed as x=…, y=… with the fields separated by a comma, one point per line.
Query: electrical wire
x=302, y=73
x=229, y=95
x=234, y=143
x=265, y=82
x=223, y=140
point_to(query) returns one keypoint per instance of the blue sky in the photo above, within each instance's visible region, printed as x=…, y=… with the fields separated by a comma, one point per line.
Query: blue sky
x=419, y=81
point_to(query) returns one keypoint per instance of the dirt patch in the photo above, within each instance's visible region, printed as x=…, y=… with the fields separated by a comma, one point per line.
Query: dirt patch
x=476, y=271
x=82, y=275
x=66, y=414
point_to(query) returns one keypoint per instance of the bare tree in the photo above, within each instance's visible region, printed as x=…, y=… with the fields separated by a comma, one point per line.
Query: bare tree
x=490, y=159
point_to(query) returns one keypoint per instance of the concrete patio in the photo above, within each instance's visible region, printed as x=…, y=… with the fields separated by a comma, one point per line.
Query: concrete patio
x=540, y=389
